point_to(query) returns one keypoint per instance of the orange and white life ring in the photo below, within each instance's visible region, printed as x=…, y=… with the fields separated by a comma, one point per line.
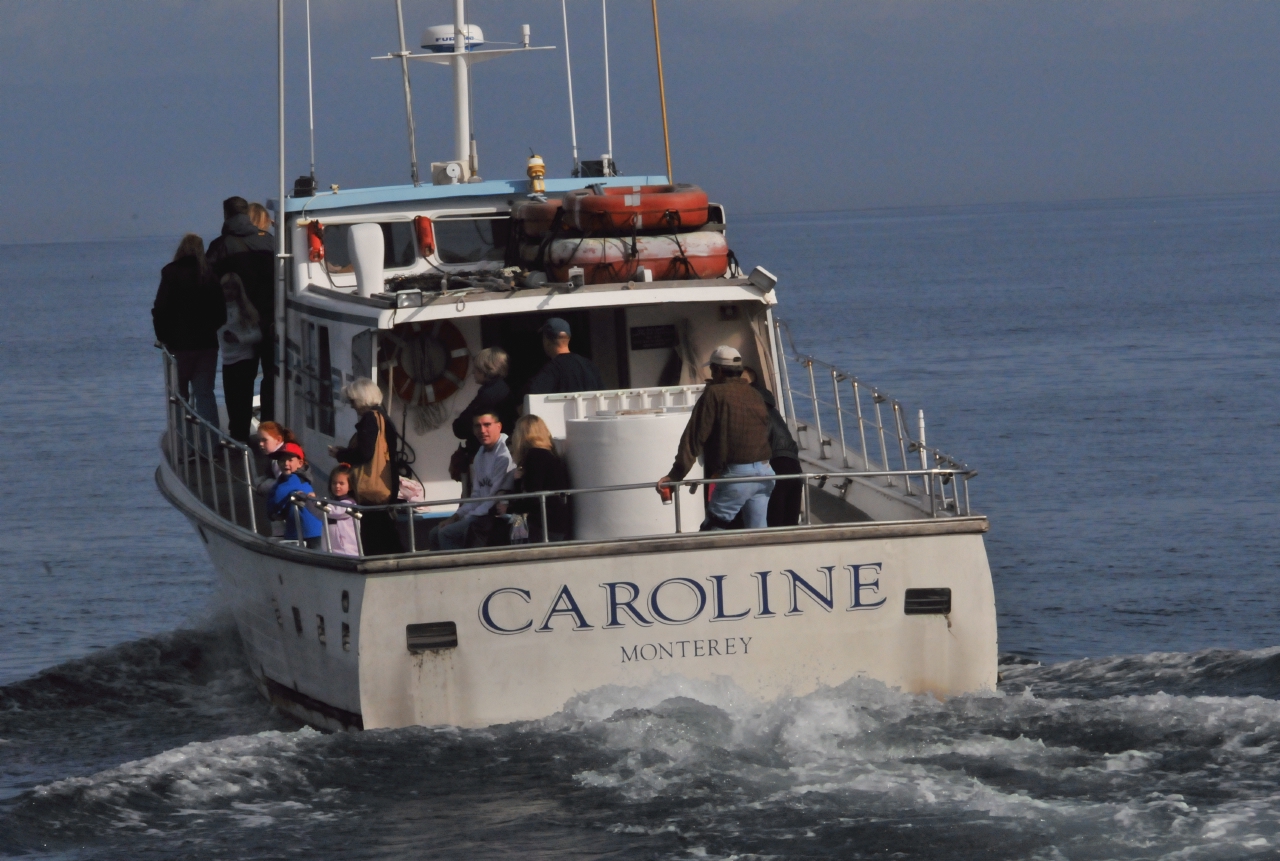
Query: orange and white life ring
x=429, y=361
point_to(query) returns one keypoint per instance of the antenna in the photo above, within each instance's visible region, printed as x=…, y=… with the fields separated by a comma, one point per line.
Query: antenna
x=568, y=70
x=408, y=95
x=662, y=90
x=456, y=45
x=608, y=107
x=311, y=108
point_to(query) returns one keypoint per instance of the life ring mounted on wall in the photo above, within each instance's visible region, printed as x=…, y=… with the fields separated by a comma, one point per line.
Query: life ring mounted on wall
x=428, y=361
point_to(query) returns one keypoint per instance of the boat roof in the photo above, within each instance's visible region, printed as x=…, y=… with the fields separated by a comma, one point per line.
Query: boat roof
x=345, y=198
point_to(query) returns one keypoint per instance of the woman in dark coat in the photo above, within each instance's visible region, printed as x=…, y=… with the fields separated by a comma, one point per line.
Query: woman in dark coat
x=489, y=369
x=374, y=431
x=188, y=311
x=539, y=468
x=787, y=496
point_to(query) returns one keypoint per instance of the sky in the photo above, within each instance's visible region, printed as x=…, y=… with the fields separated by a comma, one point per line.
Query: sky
x=125, y=119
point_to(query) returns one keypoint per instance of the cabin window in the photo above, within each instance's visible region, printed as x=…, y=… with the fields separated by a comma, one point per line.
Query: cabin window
x=471, y=240
x=317, y=369
x=399, y=246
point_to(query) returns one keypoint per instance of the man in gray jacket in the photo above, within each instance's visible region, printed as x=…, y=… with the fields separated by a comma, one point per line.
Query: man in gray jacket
x=491, y=474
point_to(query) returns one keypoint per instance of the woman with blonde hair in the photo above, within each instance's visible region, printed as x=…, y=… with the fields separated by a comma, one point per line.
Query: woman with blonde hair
x=186, y=315
x=539, y=468
x=372, y=455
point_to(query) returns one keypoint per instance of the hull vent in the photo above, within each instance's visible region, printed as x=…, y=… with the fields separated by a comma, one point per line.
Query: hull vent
x=431, y=635
x=927, y=602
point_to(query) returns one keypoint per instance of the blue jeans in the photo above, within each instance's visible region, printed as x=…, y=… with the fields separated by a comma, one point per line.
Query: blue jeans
x=452, y=536
x=749, y=497
x=197, y=369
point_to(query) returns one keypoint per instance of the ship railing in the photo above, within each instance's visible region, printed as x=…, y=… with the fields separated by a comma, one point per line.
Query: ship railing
x=221, y=472
x=219, y=469
x=811, y=481
x=866, y=439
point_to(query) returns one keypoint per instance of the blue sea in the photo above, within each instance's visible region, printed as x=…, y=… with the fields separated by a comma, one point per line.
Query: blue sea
x=1110, y=368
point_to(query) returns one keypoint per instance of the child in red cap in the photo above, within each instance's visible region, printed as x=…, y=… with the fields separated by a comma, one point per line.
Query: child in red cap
x=292, y=459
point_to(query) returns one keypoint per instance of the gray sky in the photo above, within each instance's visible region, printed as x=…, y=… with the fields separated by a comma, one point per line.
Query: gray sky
x=136, y=118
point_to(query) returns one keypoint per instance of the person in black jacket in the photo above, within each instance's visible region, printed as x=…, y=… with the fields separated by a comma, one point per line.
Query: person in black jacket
x=188, y=311
x=246, y=250
x=565, y=371
x=538, y=467
x=489, y=368
x=787, y=496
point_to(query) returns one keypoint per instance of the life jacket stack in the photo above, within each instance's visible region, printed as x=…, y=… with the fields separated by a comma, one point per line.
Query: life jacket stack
x=612, y=233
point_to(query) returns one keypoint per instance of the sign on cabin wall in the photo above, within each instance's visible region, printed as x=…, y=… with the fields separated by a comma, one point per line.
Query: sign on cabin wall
x=653, y=337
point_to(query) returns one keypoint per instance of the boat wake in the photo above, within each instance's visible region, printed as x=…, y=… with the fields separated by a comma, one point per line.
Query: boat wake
x=1153, y=756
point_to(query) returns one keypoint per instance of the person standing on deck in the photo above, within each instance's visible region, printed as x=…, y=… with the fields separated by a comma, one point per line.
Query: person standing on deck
x=187, y=314
x=249, y=251
x=566, y=371
x=729, y=428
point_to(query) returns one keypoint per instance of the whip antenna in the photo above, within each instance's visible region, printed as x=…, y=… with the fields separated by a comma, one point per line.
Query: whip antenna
x=662, y=90
x=568, y=70
x=311, y=108
x=608, y=108
x=408, y=95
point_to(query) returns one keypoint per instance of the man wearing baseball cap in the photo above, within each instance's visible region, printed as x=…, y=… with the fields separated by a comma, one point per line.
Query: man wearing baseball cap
x=566, y=371
x=729, y=428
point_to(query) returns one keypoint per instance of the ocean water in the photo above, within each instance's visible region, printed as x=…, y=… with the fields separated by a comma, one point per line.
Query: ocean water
x=1111, y=370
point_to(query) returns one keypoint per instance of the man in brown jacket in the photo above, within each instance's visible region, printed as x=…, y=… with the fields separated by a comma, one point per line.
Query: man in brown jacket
x=729, y=428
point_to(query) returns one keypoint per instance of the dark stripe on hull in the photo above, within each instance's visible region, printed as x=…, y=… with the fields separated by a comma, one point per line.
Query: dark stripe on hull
x=306, y=708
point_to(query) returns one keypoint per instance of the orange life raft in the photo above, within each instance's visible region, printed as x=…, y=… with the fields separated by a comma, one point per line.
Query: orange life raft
x=636, y=207
x=676, y=257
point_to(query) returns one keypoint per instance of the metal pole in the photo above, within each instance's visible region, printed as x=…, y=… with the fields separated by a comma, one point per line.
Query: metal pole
x=835, y=389
x=248, y=491
x=542, y=507
x=877, y=399
x=786, y=380
x=408, y=94
x=568, y=71
x=862, y=430
x=900, y=425
x=311, y=107
x=675, y=497
x=297, y=519
x=213, y=470
x=608, y=107
x=461, y=88
x=358, y=516
x=662, y=89
x=817, y=414
x=282, y=228
x=231, y=487
x=199, y=477
x=413, y=536
x=808, y=520
x=324, y=528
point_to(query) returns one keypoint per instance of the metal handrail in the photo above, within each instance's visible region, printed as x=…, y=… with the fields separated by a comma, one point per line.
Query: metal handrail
x=895, y=438
x=190, y=453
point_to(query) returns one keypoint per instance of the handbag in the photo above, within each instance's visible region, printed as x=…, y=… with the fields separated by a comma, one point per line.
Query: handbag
x=373, y=479
x=459, y=463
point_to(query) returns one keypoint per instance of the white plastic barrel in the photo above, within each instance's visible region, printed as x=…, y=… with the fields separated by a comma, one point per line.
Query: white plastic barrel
x=628, y=447
x=365, y=248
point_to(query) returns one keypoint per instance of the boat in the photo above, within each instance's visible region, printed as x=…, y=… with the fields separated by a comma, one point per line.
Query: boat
x=884, y=576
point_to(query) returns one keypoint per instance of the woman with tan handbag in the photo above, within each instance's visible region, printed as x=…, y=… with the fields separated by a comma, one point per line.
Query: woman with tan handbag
x=371, y=454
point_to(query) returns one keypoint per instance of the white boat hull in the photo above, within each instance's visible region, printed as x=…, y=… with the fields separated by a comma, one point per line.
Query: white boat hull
x=778, y=612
